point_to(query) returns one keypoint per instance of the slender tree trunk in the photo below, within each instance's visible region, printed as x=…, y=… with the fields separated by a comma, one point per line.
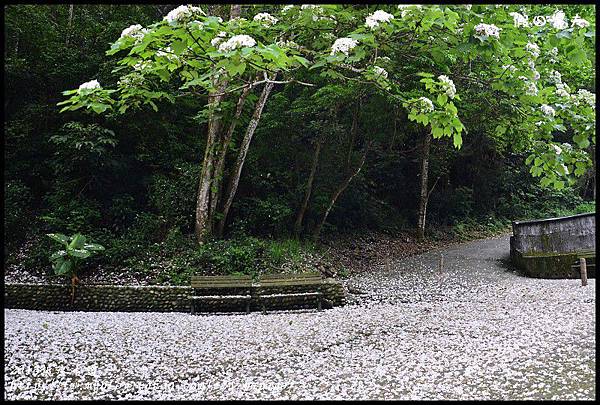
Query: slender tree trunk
x=423, y=197
x=353, y=133
x=204, y=218
x=222, y=152
x=69, y=24
x=308, y=191
x=338, y=192
x=239, y=164
x=393, y=140
x=592, y=172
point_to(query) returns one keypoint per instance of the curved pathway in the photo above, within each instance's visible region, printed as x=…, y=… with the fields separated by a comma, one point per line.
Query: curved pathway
x=476, y=330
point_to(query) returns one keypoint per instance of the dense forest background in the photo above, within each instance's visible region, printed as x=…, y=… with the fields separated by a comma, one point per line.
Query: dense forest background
x=124, y=180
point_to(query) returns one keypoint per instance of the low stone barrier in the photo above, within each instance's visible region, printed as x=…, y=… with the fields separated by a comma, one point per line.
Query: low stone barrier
x=115, y=298
x=547, y=248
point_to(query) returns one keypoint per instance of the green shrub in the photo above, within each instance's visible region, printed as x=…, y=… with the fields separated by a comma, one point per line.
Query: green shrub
x=174, y=196
x=73, y=214
x=264, y=216
x=147, y=228
x=17, y=199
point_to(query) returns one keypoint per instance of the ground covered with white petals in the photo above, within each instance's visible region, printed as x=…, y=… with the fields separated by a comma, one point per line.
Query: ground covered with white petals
x=475, y=330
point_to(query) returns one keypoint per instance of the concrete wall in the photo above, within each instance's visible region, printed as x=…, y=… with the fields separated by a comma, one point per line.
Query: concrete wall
x=148, y=298
x=565, y=234
x=544, y=239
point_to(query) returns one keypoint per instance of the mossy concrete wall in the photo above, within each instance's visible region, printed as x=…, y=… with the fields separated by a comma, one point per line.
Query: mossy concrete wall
x=151, y=298
x=541, y=248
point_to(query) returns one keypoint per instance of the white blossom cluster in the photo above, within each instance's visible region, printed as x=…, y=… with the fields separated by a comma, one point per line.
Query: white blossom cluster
x=379, y=71
x=406, y=10
x=135, y=31
x=520, y=20
x=579, y=22
x=288, y=44
x=142, y=65
x=510, y=68
x=265, y=18
x=167, y=53
x=547, y=110
x=557, y=149
x=533, y=49
x=585, y=97
x=314, y=7
x=447, y=85
x=553, y=54
x=287, y=8
x=488, y=30
x=182, y=12
x=91, y=85
x=237, y=41
x=343, y=45
x=218, y=39
x=373, y=20
x=426, y=105
x=530, y=86
x=562, y=89
x=131, y=80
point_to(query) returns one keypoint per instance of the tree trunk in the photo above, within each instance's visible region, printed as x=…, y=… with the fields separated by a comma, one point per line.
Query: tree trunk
x=308, y=191
x=592, y=173
x=353, y=132
x=393, y=140
x=239, y=164
x=338, y=192
x=69, y=24
x=423, y=197
x=222, y=152
x=204, y=218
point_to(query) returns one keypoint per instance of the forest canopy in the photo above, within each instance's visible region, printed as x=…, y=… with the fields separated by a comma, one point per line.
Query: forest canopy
x=188, y=127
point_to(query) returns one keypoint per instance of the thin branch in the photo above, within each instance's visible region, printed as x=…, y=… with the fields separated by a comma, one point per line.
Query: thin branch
x=432, y=187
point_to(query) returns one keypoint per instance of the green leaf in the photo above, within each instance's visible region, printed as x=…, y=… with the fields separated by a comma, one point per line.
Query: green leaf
x=536, y=171
x=59, y=237
x=457, y=140
x=99, y=107
x=63, y=268
x=442, y=98
x=163, y=74
x=437, y=132
x=178, y=47
x=59, y=254
x=93, y=246
x=77, y=242
x=82, y=253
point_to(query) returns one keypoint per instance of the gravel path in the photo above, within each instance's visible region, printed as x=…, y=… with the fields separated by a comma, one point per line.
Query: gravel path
x=474, y=331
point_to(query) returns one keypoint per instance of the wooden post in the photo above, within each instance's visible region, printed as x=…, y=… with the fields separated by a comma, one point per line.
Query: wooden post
x=441, y=262
x=583, y=269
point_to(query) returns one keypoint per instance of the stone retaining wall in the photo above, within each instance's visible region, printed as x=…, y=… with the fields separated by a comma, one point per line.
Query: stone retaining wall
x=541, y=248
x=150, y=298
